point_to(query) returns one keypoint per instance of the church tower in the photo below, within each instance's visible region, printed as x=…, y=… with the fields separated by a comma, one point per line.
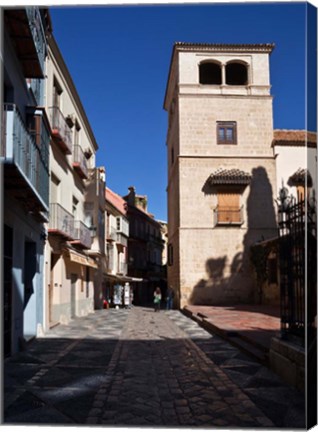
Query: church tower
x=221, y=169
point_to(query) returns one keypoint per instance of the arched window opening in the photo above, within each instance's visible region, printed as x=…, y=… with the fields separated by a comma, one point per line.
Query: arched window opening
x=236, y=74
x=210, y=73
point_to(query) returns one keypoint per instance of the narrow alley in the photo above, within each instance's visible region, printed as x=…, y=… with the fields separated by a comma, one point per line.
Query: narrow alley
x=140, y=368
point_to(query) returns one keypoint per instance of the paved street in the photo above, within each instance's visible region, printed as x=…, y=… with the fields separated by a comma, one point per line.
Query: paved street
x=141, y=368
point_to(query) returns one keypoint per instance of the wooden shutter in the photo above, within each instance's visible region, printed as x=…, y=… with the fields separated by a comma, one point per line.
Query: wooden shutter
x=229, y=207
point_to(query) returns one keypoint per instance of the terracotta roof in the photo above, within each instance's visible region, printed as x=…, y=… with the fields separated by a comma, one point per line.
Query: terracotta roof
x=264, y=47
x=299, y=177
x=285, y=137
x=117, y=201
x=229, y=176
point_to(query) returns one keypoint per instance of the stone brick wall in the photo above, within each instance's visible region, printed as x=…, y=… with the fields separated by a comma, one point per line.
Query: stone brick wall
x=214, y=264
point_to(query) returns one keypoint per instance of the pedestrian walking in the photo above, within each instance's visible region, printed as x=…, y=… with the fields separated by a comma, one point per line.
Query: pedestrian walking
x=169, y=298
x=157, y=299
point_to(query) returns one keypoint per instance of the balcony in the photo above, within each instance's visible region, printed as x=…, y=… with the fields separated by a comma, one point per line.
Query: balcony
x=122, y=239
x=26, y=159
x=26, y=30
x=80, y=162
x=110, y=262
x=112, y=234
x=37, y=87
x=228, y=216
x=122, y=268
x=61, y=222
x=61, y=132
x=82, y=235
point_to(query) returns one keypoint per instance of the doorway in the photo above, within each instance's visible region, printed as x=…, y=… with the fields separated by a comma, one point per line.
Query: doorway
x=7, y=287
x=73, y=294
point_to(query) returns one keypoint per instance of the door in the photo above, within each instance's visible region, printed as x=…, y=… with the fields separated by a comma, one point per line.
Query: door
x=54, y=260
x=7, y=287
x=73, y=294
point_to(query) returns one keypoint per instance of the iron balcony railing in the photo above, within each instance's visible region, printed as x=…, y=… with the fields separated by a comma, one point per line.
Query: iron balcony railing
x=82, y=234
x=37, y=87
x=61, y=131
x=228, y=216
x=38, y=34
x=61, y=221
x=80, y=162
x=18, y=146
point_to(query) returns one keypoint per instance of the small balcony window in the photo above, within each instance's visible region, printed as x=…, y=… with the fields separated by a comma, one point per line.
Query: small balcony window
x=226, y=133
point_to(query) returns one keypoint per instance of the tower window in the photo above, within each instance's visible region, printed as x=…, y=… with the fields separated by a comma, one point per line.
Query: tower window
x=226, y=133
x=236, y=74
x=210, y=73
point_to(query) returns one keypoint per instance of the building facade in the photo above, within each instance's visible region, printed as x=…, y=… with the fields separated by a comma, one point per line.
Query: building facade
x=25, y=132
x=70, y=269
x=117, y=232
x=95, y=218
x=145, y=249
x=221, y=169
x=296, y=162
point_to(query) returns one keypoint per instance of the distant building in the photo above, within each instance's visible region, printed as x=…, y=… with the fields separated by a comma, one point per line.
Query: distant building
x=95, y=219
x=145, y=247
x=221, y=169
x=117, y=232
x=296, y=161
x=25, y=140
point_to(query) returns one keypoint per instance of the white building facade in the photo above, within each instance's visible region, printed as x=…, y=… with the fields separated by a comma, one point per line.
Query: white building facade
x=70, y=270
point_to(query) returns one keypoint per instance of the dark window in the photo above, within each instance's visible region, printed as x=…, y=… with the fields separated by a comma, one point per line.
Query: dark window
x=210, y=73
x=172, y=155
x=236, y=74
x=226, y=133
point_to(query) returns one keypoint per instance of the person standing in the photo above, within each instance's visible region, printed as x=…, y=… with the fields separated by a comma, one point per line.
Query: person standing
x=169, y=298
x=157, y=299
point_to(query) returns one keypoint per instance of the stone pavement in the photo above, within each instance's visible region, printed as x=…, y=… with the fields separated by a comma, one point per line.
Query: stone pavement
x=141, y=368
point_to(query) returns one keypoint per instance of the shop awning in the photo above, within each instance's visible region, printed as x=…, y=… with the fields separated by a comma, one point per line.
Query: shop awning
x=80, y=258
x=124, y=278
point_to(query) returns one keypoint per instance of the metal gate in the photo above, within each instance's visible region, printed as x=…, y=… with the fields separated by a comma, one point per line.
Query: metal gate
x=297, y=261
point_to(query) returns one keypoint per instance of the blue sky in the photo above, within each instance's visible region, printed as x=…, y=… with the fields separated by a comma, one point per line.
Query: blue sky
x=119, y=59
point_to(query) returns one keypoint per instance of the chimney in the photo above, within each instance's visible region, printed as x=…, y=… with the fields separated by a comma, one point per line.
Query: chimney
x=131, y=196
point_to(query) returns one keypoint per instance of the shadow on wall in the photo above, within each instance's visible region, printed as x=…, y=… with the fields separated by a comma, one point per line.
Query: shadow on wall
x=239, y=284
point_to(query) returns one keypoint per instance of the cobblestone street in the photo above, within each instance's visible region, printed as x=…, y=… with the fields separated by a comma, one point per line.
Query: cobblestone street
x=141, y=368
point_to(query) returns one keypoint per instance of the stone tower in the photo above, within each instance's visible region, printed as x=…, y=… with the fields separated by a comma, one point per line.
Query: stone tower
x=221, y=169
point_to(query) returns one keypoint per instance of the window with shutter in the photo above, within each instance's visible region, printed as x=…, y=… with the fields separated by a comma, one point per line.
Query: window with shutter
x=229, y=209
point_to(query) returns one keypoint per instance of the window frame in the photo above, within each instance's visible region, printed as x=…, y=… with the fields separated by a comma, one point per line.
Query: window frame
x=231, y=210
x=226, y=125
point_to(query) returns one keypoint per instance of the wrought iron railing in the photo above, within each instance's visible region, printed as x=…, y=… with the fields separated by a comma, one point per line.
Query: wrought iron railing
x=228, y=216
x=61, y=221
x=297, y=248
x=38, y=34
x=80, y=161
x=82, y=234
x=61, y=129
x=37, y=87
x=18, y=146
